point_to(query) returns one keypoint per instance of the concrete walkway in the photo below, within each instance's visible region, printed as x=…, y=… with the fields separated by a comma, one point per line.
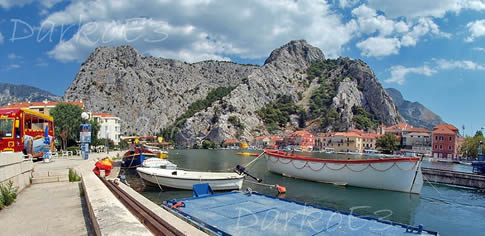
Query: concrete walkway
x=51, y=207
x=47, y=209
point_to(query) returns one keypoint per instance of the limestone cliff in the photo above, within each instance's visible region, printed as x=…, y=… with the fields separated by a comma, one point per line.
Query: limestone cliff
x=149, y=94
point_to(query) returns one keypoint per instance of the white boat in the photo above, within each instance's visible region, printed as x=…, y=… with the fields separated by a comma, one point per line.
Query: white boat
x=395, y=174
x=182, y=179
x=153, y=162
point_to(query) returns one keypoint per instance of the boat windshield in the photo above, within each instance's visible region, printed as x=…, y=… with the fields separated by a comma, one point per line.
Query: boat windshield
x=6, y=128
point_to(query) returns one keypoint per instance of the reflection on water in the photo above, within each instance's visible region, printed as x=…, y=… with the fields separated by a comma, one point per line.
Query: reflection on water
x=451, y=211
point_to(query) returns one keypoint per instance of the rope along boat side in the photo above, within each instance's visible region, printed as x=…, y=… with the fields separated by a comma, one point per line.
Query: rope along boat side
x=395, y=174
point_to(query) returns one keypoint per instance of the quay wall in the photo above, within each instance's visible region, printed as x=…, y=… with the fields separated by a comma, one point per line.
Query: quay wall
x=13, y=167
x=454, y=178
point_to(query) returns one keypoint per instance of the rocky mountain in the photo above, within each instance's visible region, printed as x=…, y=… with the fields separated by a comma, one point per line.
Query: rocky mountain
x=10, y=93
x=150, y=94
x=414, y=112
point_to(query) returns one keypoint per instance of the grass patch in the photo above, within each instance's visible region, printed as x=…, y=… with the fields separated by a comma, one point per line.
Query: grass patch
x=73, y=176
x=8, y=193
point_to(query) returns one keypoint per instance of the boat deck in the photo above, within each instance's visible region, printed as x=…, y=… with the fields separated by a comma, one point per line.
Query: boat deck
x=237, y=213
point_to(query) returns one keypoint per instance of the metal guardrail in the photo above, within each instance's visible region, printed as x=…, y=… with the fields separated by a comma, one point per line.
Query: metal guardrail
x=153, y=222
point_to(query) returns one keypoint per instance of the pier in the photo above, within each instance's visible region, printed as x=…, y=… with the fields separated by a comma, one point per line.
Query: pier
x=51, y=205
x=454, y=178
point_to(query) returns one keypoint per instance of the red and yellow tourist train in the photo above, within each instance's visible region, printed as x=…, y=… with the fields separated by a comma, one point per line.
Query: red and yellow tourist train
x=24, y=130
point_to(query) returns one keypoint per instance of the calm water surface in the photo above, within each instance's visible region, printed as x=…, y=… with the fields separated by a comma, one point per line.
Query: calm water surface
x=449, y=210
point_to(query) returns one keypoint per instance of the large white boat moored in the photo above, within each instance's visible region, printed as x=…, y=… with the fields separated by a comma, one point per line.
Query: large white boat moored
x=395, y=174
x=182, y=179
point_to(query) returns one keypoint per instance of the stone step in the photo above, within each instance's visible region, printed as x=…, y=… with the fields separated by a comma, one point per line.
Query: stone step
x=50, y=179
x=50, y=173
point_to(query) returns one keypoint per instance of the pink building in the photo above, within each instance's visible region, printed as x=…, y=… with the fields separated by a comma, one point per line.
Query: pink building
x=445, y=141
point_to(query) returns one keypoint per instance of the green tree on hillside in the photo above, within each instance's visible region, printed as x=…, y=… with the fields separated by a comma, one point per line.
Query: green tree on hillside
x=67, y=119
x=387, y=142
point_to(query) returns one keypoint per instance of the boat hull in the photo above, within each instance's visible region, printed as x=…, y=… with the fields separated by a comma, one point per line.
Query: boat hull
x=180, y=181
x=395, y=174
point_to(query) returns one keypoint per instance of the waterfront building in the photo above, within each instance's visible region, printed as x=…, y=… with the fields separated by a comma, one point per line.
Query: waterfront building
x=397, y=129
x=445, y=141
x=41, y=107
x=109, y=126
x=266, y=141
x=417, y=140
x=353, y=141
x=231, y=143
x=299, y=140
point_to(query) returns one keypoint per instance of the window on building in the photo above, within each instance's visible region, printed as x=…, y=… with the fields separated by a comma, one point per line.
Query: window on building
x=441, y=146
x=450, y=138
x=436, y=138
x=435, y=146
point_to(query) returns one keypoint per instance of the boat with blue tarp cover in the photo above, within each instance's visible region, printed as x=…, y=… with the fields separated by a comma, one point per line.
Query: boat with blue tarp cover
x=249, y=213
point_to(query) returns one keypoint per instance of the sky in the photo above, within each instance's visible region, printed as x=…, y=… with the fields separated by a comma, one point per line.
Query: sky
x=433, y=51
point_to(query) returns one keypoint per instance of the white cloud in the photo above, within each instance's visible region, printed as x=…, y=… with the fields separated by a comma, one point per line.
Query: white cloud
x=369, y=22
x=479, y=49
x=1, y=38
x=463, y=64
x=11, y=67
x=423, y=27
x=13, y=56
x=41, y=62
x=379, y=46
x=393, y=34
x=399, y=73
x=425, y=8
x=347, y=3
x=201, y=29
x=20, y=3
x=477, y=29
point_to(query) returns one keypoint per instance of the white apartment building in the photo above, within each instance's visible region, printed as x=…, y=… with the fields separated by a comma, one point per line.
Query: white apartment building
x=109, y=126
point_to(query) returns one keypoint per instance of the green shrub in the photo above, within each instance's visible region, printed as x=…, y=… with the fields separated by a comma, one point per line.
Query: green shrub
x=8, y=193
x=73, y=176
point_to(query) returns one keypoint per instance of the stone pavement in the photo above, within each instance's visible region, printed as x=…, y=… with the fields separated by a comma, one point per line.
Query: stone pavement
x=52, y=205
x=46, y=209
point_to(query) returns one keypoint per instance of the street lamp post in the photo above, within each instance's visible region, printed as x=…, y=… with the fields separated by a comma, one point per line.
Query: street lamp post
x=85, y=136
x=106, y=142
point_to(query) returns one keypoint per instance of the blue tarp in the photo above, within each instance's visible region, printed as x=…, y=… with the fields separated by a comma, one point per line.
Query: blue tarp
x=237, y=213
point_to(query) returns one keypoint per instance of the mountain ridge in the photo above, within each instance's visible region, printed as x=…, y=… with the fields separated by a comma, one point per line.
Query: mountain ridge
x=150, y=94
x=11, y=93
x=415, y=113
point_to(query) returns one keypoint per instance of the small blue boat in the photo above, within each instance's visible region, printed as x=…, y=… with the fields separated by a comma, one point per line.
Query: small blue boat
x=135, y=158
x=246, y=213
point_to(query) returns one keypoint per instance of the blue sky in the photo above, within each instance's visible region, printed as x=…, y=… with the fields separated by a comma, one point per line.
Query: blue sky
x=432, y=51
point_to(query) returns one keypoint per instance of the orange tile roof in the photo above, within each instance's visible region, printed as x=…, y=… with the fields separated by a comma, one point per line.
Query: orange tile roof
x=370, y=135
x=346, y=134
x=261, y=137
x=276, y=138
x=444, y=131
x=103, y=115
x=39, y=104
x=300, y=133
x=446, y=126
x=231, y=141
x=400, y=126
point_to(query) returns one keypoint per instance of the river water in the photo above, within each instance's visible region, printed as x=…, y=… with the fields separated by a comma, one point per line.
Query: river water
x=448, y=210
